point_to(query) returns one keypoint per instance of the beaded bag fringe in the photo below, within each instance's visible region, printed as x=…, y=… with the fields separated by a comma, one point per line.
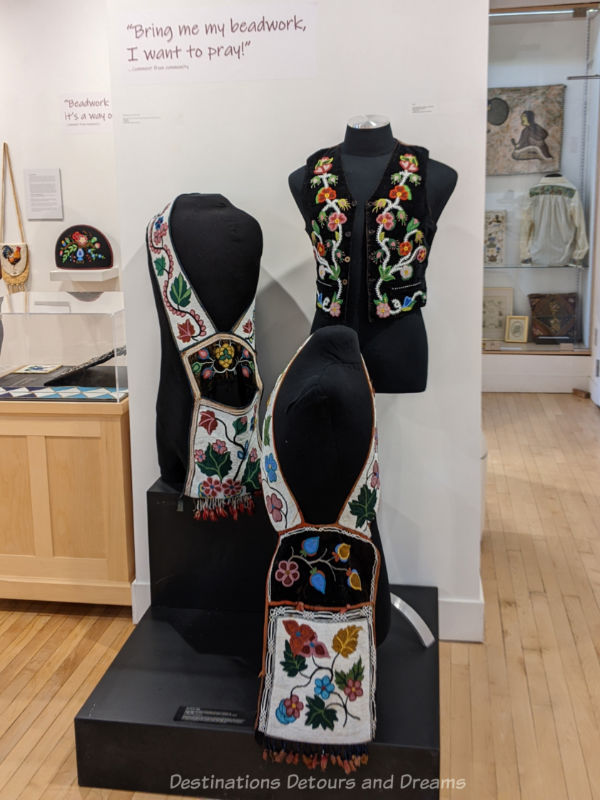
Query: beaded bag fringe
x=313, y=756
x=214, y=508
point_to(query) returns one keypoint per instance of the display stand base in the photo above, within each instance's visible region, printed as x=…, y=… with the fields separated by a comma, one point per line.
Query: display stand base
x=174, y=713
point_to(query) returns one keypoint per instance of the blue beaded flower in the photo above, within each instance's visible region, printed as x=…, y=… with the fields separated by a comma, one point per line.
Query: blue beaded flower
x=324, y=687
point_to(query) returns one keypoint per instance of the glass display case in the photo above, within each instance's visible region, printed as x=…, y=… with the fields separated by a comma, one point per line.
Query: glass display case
x=541, y=183
x=63, y=346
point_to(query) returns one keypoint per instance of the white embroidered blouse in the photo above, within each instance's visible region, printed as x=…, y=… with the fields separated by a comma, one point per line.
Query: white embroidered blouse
x=553, y=224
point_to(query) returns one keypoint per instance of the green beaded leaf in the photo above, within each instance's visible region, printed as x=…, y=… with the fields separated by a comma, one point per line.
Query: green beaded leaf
x=216, y=463
x=341, y=679
x=364, y=507
x=180, y=293
x=292, y=664
x=251, y=475
x=318, y=715
x=266, y=434
x=357, y=671
x=239, y=426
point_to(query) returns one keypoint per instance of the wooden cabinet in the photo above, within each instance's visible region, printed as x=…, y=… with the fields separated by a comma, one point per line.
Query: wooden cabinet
x=66, y=529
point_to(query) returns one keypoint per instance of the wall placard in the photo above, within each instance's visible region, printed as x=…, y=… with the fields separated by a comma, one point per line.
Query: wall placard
x=219, y=42
x=43, y=194
x=86, y=112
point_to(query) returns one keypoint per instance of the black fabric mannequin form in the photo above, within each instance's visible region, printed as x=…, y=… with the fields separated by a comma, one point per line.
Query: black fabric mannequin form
x=219, y=247
x=395, y=350
x=322, y=424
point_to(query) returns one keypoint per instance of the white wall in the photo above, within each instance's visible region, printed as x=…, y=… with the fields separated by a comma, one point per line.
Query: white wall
x=242, y=139
x=48, y=50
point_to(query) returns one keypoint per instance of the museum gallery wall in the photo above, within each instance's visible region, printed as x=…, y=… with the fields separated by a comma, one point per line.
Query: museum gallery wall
x=262, y=104
x=242, y=138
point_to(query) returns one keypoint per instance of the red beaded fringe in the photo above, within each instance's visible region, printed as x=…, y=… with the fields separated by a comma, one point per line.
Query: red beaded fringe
x=346, y=757
x=211, y=508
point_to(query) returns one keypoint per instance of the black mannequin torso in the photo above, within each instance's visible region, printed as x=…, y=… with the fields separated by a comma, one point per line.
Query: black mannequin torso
x=219, y=248
x=322, y=424
x=365, y=155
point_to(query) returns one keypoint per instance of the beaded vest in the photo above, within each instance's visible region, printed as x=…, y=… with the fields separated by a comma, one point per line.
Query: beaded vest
x=397, y=232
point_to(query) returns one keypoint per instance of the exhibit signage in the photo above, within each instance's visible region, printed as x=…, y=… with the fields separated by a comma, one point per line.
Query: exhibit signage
x=216, y=42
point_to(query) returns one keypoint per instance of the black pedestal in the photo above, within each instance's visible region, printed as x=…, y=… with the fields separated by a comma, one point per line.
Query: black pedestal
x=174, y=713
x=128, y=735
x=215, y=566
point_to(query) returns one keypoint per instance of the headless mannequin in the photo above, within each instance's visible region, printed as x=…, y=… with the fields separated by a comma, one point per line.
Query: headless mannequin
x=324, y=407
x=219, y=247
x=365, y=156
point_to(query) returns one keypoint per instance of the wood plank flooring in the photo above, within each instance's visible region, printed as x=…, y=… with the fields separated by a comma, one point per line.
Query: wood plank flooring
x=520, y=713
x=528, y=700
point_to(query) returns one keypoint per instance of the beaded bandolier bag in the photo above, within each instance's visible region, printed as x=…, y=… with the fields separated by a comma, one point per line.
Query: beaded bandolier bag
x=14, y=262
x=317, y=698
x=223, y=473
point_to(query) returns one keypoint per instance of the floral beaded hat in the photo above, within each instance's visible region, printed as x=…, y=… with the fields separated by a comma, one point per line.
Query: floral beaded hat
x=83, y=247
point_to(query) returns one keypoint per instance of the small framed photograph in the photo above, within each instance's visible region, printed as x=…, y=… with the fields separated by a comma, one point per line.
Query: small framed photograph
x=516, y=329
x=497, y=306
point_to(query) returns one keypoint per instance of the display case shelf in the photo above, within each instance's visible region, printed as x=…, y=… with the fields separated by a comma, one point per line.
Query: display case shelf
x=521, y=267
x=531, y=348
x=85, y=275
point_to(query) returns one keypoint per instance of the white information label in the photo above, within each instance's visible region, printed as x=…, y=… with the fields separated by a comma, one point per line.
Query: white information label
x=86, y=112
x=43, y=195
x=423, y=108
x=219, y=42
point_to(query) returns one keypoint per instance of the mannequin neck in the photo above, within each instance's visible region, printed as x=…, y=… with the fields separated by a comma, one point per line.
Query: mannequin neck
x=368, y=141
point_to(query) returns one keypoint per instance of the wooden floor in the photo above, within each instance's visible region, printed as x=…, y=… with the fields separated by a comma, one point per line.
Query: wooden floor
x=520, y=713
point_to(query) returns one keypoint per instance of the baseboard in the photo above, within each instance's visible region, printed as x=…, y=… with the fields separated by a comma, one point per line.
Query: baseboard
x=140, y=599
x=461, y=619
x=535, y=373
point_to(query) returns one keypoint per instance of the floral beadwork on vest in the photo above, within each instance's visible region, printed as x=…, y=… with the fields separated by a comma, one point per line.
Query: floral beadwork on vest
x=223, y=472
x=396, y=220
x=317, y=700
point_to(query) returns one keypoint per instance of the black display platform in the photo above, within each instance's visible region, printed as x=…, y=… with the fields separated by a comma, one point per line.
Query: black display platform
x=128, y=737
x=216, y=566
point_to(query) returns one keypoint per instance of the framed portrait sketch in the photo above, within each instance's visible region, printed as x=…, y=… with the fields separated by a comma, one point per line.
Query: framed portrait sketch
x=497, y=306
x=524, y=130
x=516, y=329
x=493, y=242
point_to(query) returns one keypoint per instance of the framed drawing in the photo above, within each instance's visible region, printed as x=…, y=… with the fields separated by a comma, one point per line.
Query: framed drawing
x=497, y=306
x=493, y=242
x=516, y=329
x=525, y=128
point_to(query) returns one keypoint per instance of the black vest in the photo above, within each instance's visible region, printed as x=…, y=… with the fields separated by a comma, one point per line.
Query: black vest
x=398, y=228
